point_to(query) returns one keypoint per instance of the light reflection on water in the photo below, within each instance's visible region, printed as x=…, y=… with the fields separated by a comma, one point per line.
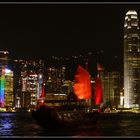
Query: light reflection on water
x=18, y=124
x=23, y=125
x=120, y=125
x=6, y=124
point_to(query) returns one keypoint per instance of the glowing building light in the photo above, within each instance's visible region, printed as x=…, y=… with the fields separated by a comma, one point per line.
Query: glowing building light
x=134, y=16
x=60, y=94
x=125, y=25
x=126, y=17
x=2, y=91
x=7, y=71
x=128, y=27
x=40, y=76
x=39, y=87
x=134, y=24
x=131, y=12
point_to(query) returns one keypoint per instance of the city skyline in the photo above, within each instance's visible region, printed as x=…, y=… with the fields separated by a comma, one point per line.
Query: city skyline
x=42, y=30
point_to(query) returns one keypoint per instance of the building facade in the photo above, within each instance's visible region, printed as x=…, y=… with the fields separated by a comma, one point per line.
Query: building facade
x=28, y=81
x=8, y=90
x=111, y=86
x=131, y=60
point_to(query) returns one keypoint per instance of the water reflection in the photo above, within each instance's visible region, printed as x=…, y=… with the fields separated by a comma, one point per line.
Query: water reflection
x=91, y=130
x=23, y=125
x=6, y=124
x=120, y=125
x=18, y=124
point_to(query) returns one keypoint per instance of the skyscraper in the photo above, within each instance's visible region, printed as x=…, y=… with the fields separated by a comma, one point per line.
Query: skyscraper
x=131, y=60
x=3, y=64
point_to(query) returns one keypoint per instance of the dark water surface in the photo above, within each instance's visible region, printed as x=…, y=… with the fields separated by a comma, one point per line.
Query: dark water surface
x=110, y=125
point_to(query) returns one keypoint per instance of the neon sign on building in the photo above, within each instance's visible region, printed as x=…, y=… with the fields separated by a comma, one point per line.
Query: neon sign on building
x=2, y=81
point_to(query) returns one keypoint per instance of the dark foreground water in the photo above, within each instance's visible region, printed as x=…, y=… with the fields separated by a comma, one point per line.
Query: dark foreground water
x=22, y=125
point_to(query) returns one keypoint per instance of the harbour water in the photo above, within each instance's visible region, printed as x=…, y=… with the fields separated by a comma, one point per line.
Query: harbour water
x=22, y=125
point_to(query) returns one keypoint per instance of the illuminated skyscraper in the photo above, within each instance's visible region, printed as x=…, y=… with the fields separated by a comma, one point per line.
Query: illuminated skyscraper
x=131, y=60
x=3, y=64
x=8, y=89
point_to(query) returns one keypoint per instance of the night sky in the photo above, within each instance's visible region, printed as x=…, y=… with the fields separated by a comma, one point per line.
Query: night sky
x=42, y=30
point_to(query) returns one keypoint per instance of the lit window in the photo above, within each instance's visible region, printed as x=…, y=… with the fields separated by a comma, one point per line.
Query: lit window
x=125, y=25
x=134, y=24
x=131, y=12
x=134, y=16
x=7, y=71
x=126, y=17
x=125, y=36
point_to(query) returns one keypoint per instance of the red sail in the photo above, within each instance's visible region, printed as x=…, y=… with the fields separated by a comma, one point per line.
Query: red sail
x=82, y=85
x=97, y=91
x=42, y=94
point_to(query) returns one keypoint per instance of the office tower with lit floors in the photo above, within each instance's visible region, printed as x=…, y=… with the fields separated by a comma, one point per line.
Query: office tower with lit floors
x=131, y=60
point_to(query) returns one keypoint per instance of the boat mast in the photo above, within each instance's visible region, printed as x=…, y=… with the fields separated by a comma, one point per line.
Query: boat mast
x=87, y=68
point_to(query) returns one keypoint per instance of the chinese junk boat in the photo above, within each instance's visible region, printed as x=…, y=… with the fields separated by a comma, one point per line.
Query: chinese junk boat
x=50, y=117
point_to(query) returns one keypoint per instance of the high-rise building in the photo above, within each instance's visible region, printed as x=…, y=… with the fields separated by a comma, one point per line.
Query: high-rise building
x=111, y=86
x=8, y=89
x=28, y=80
x=3, y=64
x=55, y=79
x=131, y=60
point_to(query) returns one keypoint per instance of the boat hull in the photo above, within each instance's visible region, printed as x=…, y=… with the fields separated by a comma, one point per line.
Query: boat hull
x=50, y=118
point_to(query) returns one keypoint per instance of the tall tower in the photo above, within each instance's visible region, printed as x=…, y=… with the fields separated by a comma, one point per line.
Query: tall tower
x=131, y=60
x=3, y=64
